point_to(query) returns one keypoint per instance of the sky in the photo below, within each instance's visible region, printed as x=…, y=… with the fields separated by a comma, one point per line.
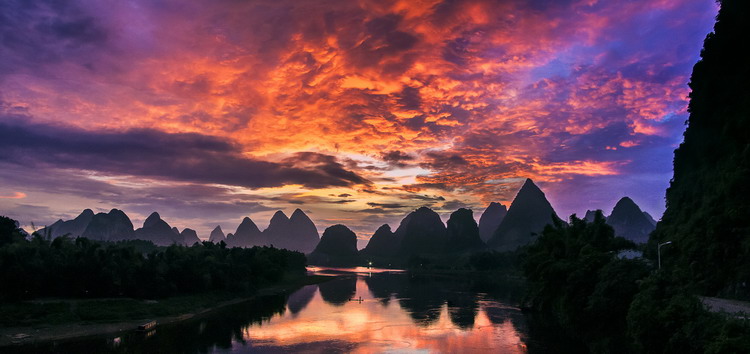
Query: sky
x=356, y=112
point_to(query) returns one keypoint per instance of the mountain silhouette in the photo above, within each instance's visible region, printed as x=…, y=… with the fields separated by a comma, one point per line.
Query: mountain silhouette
x=298, y=300
x=338, y=291
x=302, y=235
x=246, y=235
x=462, y=232
x=189, y=237
x=112, y=226
x=73, y=228
x=217, y=235
x=707, y=218
x=421, y=232
x=277, y=229
x=650, y=218
x=337, y=246
x=527, y=216
x=157, y=231
x=590, y=215
x=490, y=220
x=383, y=243
x=629, y=221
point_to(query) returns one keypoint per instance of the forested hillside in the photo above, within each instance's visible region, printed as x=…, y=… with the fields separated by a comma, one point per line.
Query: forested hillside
x=708, y=201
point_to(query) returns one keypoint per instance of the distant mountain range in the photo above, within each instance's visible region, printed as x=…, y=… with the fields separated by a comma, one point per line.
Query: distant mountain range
x=297, y=233
x=628, y=220
x=420, y=232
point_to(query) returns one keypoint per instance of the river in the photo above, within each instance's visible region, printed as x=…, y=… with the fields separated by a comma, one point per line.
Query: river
x=361, y=311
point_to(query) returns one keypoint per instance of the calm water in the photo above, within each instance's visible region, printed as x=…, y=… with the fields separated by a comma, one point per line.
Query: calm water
x=362, y=311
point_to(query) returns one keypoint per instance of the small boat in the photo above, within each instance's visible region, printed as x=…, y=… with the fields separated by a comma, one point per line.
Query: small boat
x=147, y=326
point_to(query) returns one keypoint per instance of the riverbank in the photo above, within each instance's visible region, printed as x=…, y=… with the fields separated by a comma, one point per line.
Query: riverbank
x=112, y=316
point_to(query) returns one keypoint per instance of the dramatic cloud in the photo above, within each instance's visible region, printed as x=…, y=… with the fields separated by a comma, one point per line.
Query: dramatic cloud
x=343, y=106
x=178, y=156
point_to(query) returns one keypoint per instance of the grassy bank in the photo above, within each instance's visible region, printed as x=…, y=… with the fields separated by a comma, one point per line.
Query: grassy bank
x=54, y=319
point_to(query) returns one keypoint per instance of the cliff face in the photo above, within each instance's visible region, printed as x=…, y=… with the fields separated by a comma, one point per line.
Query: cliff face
x=157, y=231
x=72, y=228
x=247, y=235
x=112, y=226
x=421, y=232
x=629, y=221
x=303, y=235
x=337, y=246
x=217, y=235
x=708, y=209
x=527, y=216
x=189, y=237
x=383, y=243
x=277, y=229
x=490, y=220
x=463, y=233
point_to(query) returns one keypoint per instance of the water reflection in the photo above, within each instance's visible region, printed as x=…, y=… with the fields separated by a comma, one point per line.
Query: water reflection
x=398, y=312
x=298, y=300
x=339, y=291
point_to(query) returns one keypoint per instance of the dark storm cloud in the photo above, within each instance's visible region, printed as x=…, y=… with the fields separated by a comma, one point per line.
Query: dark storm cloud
x=150, y=153
x=434, y=198
x=396, y=158
x=384, y=40
x=387, y=205
x=442, y=161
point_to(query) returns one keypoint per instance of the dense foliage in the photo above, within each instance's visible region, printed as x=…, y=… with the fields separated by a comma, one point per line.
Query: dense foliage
x=65, y=267
x=664, y=317
x=577, y=281
x=708, y=209
x=580, y=287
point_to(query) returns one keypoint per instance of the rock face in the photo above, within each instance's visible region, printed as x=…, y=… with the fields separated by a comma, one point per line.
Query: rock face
x=157, y=231
x=630, y=222
x=490, y=220
x=650, y=218
x=112, y=226
x=303, y=235
x=462, y=232
x=73, y=228
x=277, y=229
x=217, y=235
x=421, y=232
x=189, y=237
x=297, y=233
x=338, y=246
x=527, y=216
x=383, y=243
x=247, y=235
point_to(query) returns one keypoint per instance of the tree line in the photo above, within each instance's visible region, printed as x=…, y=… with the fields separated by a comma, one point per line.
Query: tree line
x=582, y=290
x=63, y=267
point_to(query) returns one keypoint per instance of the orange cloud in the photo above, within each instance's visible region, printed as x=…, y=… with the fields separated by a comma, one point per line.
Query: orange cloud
x=15, y=195
x=513, y=88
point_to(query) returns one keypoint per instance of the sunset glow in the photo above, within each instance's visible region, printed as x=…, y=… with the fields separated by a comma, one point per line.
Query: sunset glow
x=371, y=326
x=356, y=112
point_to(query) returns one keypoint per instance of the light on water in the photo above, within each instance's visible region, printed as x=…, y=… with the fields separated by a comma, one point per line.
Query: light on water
x=362, y=310
x=369, y=312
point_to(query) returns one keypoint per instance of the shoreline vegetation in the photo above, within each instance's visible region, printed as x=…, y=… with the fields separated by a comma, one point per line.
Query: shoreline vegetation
x=66, y=288
x=105, y=316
